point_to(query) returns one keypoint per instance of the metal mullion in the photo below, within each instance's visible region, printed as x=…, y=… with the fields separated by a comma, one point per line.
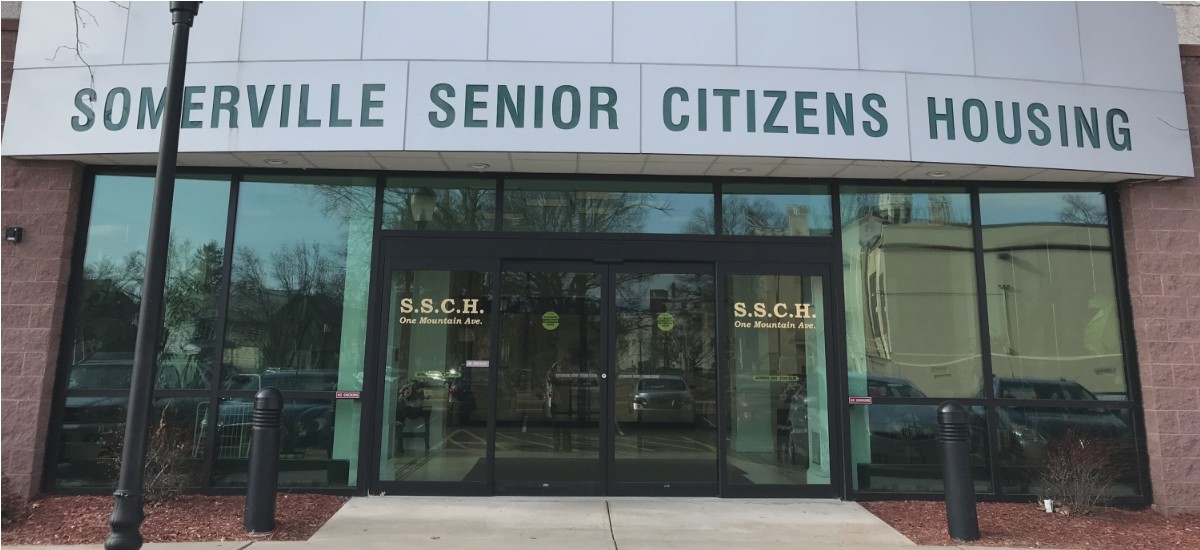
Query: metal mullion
x=1133, y=385
x=214, y=385
x=371, y=394
x=841, y=405
x=62, y=366
x=985, y=339
x=722, y=400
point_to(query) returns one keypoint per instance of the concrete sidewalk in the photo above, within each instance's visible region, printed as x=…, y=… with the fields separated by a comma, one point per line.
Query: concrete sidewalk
x=511, y=523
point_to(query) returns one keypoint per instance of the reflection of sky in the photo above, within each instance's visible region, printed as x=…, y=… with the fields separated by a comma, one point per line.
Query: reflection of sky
x=120, y=217
x=679, y=208
x=272, y=216
x=1005, y=208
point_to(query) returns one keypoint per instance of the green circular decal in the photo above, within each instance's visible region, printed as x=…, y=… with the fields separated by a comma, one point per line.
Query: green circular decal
x=550, y=320
x=665, y=322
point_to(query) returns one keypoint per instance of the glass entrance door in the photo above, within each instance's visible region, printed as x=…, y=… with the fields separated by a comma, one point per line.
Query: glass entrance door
x=582, y=378
x=551, y=417
x=606, y=380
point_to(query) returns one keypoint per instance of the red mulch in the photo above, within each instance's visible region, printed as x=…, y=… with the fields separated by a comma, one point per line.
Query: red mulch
x=191, y=518
x=1028, y=525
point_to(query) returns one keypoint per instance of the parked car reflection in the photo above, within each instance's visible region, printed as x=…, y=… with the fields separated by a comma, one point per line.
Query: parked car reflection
x=663, y=398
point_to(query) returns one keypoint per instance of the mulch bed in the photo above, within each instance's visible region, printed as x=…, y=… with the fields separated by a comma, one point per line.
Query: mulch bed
x=191, y=518
x=1028, y=526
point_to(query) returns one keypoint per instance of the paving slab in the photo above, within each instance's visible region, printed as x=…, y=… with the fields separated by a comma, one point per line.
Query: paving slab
x=448, y=520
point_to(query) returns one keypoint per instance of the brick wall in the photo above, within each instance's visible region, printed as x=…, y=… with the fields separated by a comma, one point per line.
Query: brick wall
x=1162, y=245
x=42, y=198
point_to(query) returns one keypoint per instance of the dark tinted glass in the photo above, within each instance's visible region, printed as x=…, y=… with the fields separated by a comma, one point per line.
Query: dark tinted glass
x=457, y=204
x=1036, y=443
x=912, y=318
x=776, y=210
x=93, y=433
x=1052, y=300
x=318, y=443
x=608, y=207
x=894, y=448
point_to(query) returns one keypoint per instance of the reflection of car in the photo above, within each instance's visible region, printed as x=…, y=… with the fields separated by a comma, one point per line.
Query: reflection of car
x=306, y=423
x=663, y=398
x=1028, y=429
x=102, y=371
x=572, y=395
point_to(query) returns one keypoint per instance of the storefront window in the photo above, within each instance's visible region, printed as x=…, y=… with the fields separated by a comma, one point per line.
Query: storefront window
x=311, y=447
x=297, y=314
x=775, y=210
x=912, y=319
x=1052, y=301
x=608, y=207
x=894, y=448
x=105, y=326
x=440, y=204
x=1037, y=443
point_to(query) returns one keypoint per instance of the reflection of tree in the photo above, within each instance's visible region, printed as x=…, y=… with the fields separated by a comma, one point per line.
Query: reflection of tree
x=1083, y=210
x=188, y=337
x=110, y=295
x=289, y=307
x=581, y=211
x=463, y=208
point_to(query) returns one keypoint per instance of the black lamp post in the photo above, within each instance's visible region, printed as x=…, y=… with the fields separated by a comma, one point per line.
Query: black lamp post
x=127, y=516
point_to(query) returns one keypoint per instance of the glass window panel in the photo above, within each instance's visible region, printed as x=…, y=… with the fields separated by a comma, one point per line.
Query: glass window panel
x=436, y=377
x=93, y=433
x=894, y=448
x=1032, y=439
x=777, y=402
x=774, y=210
x=608, y=207
x=911, y=306
x=445, y=204
x=105, y=326
x=301, y=271
x=1052, y=299
x=313, y=450
x=666, y=411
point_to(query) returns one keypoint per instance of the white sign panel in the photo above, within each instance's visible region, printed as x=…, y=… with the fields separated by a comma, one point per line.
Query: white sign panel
x=604, y=108
x=774, y=112
x=309, y=106
x=1022, y=123
x=532, y=107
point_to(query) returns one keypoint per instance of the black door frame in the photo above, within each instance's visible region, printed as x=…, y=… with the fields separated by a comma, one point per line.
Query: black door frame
x=606, y=254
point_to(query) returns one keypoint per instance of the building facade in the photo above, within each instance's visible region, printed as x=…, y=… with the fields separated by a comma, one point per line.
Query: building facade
x=718, y=248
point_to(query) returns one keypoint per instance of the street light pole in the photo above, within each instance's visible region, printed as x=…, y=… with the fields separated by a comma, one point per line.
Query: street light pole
x=127, y=516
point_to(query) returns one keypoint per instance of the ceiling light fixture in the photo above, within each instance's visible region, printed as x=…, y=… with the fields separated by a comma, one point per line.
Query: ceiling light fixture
x=275, y=162
x=481, y=166
x=740, y=170
x=938, y=174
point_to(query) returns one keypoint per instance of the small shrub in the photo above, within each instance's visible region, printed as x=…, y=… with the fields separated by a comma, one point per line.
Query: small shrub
x=167, y=472
x=13, y=506
x=1078, y=471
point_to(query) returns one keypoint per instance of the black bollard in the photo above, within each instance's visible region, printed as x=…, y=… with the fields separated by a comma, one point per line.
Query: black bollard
x=953, y=433
x=263, y=476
